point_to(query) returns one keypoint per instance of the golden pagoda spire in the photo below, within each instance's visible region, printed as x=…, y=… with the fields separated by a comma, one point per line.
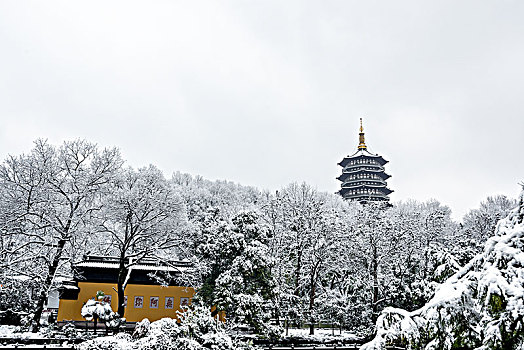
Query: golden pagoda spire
x=362, y=143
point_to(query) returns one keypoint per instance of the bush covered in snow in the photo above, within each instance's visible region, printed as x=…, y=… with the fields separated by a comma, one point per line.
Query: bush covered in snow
x=102, y=311
x=195, y=330
x=479, y=307
x=16, y=293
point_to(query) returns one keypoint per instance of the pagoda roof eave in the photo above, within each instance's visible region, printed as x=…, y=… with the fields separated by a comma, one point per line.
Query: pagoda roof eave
x=363, y=153
x=365, y=185
x=365, y=195
x=366, y=198
x=360, y=170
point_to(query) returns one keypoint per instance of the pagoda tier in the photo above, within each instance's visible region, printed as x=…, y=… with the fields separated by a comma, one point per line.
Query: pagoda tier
x=364, y=190
x=355, y=174
x=363, y=176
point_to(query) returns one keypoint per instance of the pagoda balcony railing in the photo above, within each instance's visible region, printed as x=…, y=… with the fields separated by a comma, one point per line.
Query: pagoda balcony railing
x=362, y=162
x=365, y=178
x=365, y=190
x=366, y=198
x=357, y=168
x=364, y=182
x=365, y=195
x=363, y=175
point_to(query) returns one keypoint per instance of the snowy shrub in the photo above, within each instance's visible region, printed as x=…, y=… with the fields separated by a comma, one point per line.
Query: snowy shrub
x=120, y=341
x=195, y=330
x=16, y=294
x=69, y=330
x=142, y=328
x=102, y=311
x=162, y=334
x=199, y=325
x=479, y=307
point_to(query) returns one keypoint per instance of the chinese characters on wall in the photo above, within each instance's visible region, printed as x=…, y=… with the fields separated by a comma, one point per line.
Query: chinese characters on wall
x=170, y=302
x=139, y=302
x=154, y=302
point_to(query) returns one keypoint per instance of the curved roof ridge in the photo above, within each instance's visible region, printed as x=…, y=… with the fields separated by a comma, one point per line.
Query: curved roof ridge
x=363, y=152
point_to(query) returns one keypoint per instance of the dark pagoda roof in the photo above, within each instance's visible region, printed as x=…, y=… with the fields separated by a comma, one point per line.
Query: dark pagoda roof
x=361, y=154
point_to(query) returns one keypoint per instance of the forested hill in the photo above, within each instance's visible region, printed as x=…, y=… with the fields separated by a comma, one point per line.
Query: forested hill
x=295, y=254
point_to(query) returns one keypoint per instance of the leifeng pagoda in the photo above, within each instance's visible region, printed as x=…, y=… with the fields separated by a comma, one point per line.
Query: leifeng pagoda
x=363, y=176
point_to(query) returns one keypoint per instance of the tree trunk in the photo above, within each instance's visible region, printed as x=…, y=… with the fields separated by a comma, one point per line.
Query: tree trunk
x=120, y=289
x=375, y=286
x=521, y=208
x=42, y=298
x=312, y=295
x=426, y=261
x=297, y=272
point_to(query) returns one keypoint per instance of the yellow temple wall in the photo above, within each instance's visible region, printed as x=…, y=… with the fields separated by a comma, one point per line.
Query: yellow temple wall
x=70, y=309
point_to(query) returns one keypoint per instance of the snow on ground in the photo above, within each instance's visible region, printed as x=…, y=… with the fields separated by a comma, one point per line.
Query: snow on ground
x=7, y=331
x=33, y=346
x=14, y=332
x=321, y=334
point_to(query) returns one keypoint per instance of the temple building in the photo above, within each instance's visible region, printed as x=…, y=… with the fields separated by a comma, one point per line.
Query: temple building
x=147, y=295
x=363, y=176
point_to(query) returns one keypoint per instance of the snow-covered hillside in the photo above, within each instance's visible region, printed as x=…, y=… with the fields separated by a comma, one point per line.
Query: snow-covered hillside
x=480, y=307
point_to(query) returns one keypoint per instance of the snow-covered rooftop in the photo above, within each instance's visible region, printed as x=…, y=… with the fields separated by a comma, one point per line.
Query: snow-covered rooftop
x=146, y=267
x=111, y=262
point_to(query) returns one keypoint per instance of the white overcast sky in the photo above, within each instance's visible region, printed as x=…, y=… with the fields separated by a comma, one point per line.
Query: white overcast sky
x=266, y=93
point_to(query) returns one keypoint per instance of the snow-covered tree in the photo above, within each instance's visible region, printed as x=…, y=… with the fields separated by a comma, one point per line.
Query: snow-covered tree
x=479, y=224
x=479, y=307
x=376, y=238
x=143, y=217
x=300, y=225
x=235, y=268
x=385, y=256
x=306, y=242
x=427, y=241
x=53, y=192
x=201, y=195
